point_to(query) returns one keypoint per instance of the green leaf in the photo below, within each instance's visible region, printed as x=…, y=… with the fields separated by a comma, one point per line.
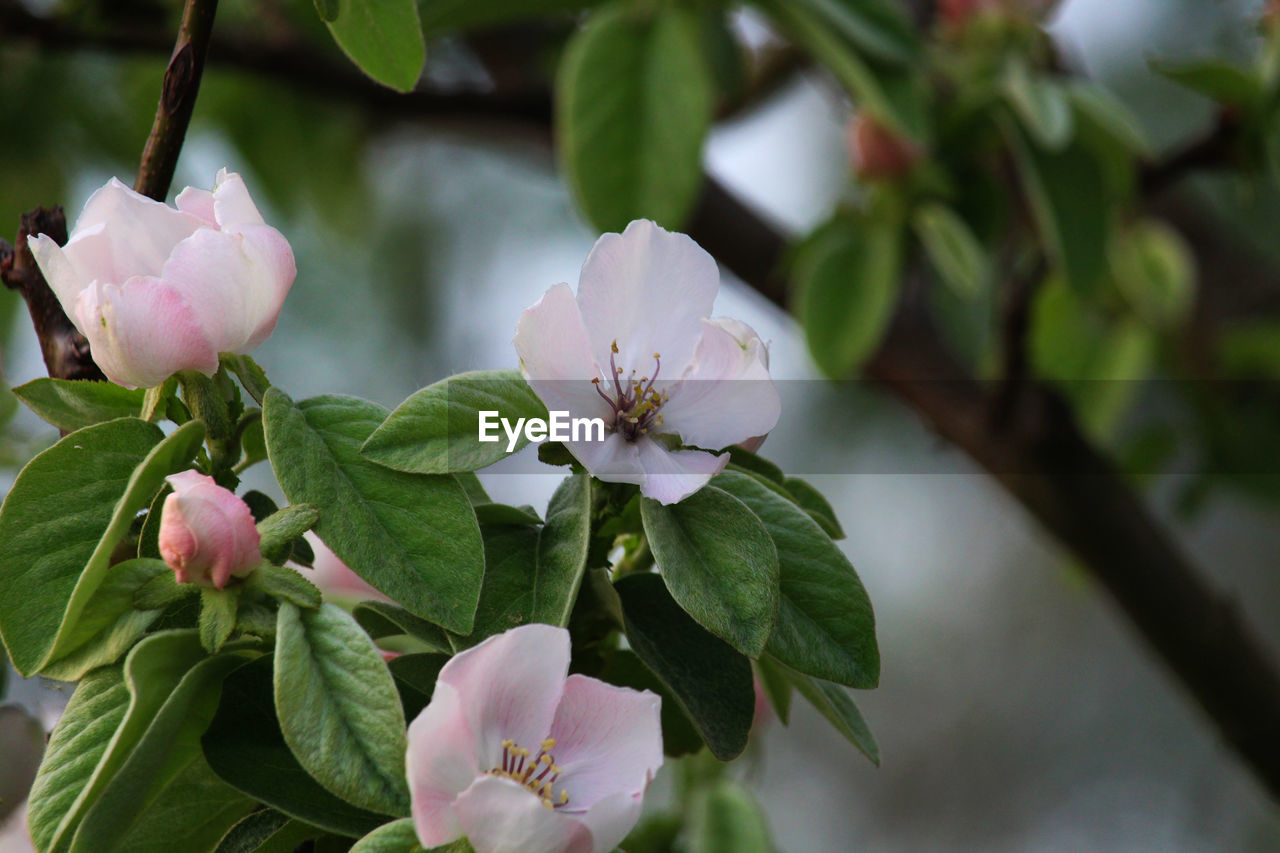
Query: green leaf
x=383, y=38
x=510, y=577
x=267, y=831
x=501, y=514
x=1068, y=197
x=87, y=757
x=414, y=537
x=75, y=748
x=82, y=493
x=167, y=753
x=710, y=680
x=726, y=819
x=953, y=250
x=1155, y=272
x=1041, y=104
x=72, y=404
x=777, y=686
x=1108, y=112
x=251, y=376
x=897, y=96
x=245, y=747
x=441, y=16
x=277, y=531
x=338, y=707
x=813, y=502
x=876, y=27
x=395, y=837
x=1217, y=79
x=436, y=430
x=719, y=563
x=562, y=552
x=847, y=278
x=825, y=625
x=285, y=584
x=112, y=620
x=217, y=617
x=833, y=702
x=415, y=677
x=634, y=99
x=380, y=619
x=756, y=464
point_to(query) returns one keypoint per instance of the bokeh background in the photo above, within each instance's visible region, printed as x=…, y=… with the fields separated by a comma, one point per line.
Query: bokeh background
x=1017, y=709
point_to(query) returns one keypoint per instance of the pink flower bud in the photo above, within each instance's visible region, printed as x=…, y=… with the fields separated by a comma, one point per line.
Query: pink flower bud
x=157, y=289
x=878, y=153
x=207, y=534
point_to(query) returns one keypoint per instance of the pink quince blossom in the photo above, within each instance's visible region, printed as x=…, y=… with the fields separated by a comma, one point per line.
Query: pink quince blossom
x=514, y=755
x=157, y=290
x=207, y=534
x=637, y=348
x=335, y=578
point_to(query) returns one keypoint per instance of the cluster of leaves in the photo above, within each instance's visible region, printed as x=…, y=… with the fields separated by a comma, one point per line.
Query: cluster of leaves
x=193, y=710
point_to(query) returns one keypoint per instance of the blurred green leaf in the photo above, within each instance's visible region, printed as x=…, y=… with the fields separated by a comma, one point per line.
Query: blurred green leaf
x=725, y=818
x=1155, y=270
x=1107, y=111
x=1040, y=102
x=878, y=28
x=954, y=251
x=847, y=278
x=382, y=37
x=1067, y=193
x=442, y=16
x=896, y=95
x=633, y=106
x=1218, y=79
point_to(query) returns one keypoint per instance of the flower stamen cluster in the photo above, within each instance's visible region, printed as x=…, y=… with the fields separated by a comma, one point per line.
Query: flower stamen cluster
x=636, y=406
x=519, y=768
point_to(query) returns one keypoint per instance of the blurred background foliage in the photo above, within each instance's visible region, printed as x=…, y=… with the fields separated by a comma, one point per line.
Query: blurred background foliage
x=1112, y=166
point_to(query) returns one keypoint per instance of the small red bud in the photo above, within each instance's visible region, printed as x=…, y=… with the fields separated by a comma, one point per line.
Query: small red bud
x=878, y=153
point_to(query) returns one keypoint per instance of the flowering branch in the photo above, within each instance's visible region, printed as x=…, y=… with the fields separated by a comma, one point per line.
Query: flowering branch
x=177, y=99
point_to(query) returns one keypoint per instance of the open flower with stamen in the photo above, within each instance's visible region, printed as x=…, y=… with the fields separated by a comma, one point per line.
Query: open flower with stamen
x=516, y=755
x=637, y=348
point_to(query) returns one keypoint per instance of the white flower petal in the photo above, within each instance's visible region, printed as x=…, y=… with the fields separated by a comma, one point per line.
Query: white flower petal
x=142, y=332
x=232, y=205
x=727, y=396
x=135, y=237
x=58, y=270
x=443, y=760
x=648, y=289
x=499, y=816
x=673, y=475
x=509, y=687
x=610, y=819
x=608, y=740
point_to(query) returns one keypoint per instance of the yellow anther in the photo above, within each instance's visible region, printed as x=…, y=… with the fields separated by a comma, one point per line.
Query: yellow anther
x=564, y=797
x=657, y=355
x=595, y=381
x=506, y=744
x=548, y=743
x=613, y=347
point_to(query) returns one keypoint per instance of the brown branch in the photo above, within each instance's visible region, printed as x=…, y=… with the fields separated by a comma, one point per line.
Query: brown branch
x=1043, y=459
x=65, y=350
x=177, y=100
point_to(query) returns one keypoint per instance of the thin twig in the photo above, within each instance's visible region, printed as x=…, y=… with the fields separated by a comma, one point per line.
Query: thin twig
x=177, y=100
